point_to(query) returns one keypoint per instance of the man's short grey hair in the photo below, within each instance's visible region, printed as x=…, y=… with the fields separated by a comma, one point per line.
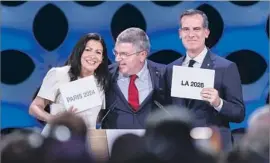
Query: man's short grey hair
x=191, y=12
x=135, y=36
x=257, y=115
x=257, y=136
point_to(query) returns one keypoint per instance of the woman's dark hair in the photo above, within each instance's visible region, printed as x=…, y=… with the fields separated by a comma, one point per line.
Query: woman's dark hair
x=101, y=73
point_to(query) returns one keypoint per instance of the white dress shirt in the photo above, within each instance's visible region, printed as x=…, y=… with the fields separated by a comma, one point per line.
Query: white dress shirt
x=198, y=63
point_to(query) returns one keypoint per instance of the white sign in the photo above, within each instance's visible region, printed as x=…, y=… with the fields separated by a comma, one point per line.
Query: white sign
x=113, y=134
x=188, y=82
x=82, y=94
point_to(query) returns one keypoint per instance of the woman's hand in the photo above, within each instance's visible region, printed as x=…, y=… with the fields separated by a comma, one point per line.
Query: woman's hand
x=70, y=110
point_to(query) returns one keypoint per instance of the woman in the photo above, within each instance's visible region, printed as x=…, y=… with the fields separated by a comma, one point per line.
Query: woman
x=89, y=57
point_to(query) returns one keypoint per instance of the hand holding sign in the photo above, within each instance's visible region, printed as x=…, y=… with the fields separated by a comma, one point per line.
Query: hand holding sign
x=71, y=110
x=188, y=82
x=82, y=94
x=53, y=117
x=211, y=95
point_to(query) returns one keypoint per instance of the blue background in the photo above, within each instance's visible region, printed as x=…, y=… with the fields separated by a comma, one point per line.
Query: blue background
x=242, y=28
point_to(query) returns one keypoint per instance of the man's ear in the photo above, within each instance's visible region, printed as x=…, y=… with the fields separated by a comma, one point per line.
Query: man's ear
x=207, y=33
x=143, y=56
x=179, y=33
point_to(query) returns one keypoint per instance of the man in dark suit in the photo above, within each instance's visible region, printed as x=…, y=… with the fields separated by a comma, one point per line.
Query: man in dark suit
x=221, y=104
x=136, y=83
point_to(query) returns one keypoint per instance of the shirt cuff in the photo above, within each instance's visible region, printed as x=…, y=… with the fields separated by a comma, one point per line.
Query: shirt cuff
x=218, y=108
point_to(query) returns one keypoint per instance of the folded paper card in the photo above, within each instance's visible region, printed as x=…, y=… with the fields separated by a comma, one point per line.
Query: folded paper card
x=188, y=82
x=82, y=94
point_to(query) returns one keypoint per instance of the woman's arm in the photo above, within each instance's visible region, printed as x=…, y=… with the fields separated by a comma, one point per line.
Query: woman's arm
x=37, y=107
x=45, y=95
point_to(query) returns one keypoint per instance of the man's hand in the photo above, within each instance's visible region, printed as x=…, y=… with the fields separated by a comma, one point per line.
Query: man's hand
x=211, y=95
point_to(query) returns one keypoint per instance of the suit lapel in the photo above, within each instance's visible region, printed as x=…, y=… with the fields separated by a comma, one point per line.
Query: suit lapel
x=154, y=75
x=176, y=100
x=118, y=92
x=181, y=60
x=208, y=63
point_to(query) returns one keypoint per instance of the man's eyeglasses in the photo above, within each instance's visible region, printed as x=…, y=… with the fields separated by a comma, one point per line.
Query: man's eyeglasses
x=123, y=54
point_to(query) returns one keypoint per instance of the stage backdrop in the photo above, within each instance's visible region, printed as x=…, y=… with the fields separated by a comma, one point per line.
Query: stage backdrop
x=36, y=36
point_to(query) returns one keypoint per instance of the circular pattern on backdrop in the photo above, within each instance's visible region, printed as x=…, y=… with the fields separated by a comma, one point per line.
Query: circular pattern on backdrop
x=267, y=27
x=125, y=17
x=89, y=3
x=166, y=3
x=250, y=64
x=251, y=70
x=216, y=24
x=165, y=56
x=244, y=3
x=50, y=27
x=12, y=3
x=16, y=66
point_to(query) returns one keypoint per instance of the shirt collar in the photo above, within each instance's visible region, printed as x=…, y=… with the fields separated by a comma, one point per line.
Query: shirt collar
x=141, y=73
x=199, y=58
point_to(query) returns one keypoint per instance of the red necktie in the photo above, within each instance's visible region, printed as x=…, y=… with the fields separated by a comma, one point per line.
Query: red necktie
x=133, y=94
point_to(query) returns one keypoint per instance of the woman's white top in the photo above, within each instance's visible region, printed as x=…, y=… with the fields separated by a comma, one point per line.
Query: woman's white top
x=49, y=90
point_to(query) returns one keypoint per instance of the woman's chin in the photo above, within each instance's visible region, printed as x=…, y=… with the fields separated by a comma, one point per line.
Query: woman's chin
x=89, y=69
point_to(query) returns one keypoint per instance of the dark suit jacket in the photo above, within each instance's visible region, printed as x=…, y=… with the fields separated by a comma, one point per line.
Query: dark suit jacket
x=120, y=114
x=228, y=84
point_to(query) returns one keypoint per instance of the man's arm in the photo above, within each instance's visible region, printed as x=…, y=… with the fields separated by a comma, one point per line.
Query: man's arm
x=233, y=107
